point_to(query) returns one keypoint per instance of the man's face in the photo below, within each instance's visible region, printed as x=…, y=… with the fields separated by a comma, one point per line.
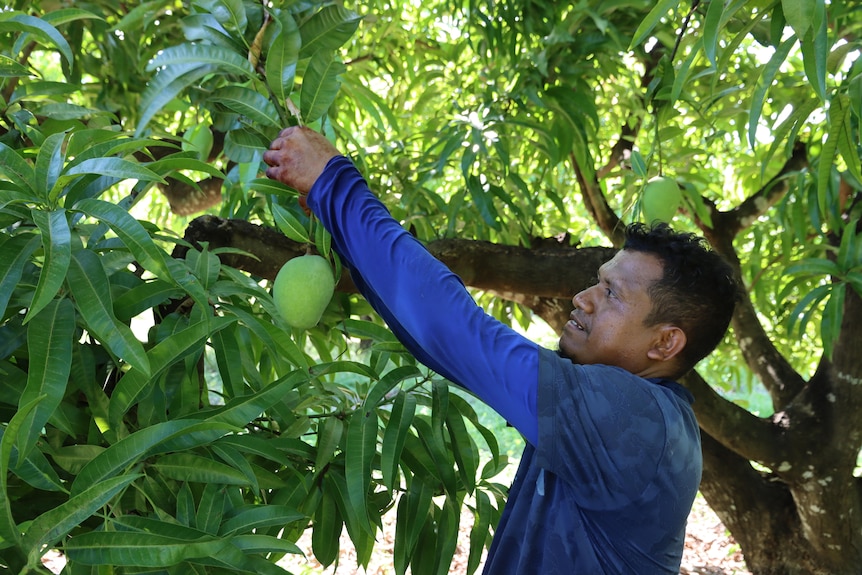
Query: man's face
x=607, y=324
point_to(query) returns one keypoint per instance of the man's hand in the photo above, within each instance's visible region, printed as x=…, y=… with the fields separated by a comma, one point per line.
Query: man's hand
x=297, y=157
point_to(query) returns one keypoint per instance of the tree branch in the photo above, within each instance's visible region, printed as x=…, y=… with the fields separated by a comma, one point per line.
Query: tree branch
x=780, y=379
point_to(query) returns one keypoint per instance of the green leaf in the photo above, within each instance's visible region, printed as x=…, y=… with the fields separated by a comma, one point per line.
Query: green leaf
x=164, y=354
x=251, y=518
x=282, y=57
x=131, y=232
x=57, y=247
x=14, y=255
x=412, y=516
x=659, y=11
x=49, y=343
x=10, y=68
x=329, y=434
x=289, y=224
x=197, y=469
x=764, y=82
x=264, y=544
x=52, y=525
x=91, y=289
x=360, y=451
x=815, y=51
x=227, y=61
x=49, y=163
x=833, y=313
x=9, y=530
x=319, y=86
x=799, y=14
x=711, y=28
x=167, y=84
x=126, y=548
x=327, y=526
x=245, y=102
x=131, y=449
x=327, y=30
x=17, y=168
x=480, y=532
x=395, y=435
x=18, y=22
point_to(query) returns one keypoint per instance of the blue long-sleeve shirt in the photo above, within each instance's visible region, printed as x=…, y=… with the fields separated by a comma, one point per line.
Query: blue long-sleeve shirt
x=613, y=460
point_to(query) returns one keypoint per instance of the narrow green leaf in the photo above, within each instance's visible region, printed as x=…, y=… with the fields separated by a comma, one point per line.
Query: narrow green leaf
x=815, y=50
x=131, y=449
x=387, y=383
x=167, y=84
x=833, y=313
x=132, y=549
x=411, y=518
x=9, y=530
x=10, y=68
x=327, y=30
x=711, y=27
x=282, y=57
x=395, y=435
x=838, y=115
x=763, y=84
x=480, y=532
x=49, y=163
x=329, y=434
x=463, y=448
x=327, y=527
x=167, y=352
x=659, y=11
x=319, y=86
x=198, y=469
x=249, y=103
x=49, y=343
x=251, y=518
x=17, y=168
x=57, y=247
x=36, y=471
x=360, y=450
x=799, y=14
x=211, y=508
x=131, y=232
x=52, y=525
x=17, y=22
x=814, y=267
x=237, y=460
x=289, y=224
x=223, y=59
x=91, y=288
x=115, y=167
x=14, y=255
x=264, y=544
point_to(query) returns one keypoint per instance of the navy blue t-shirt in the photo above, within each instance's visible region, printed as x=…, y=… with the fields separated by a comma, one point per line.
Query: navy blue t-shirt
x=613, y=460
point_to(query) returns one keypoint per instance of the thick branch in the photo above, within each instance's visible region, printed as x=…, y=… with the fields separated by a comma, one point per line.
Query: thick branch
x=735, y=428
x=546, y=272
x=773, y=369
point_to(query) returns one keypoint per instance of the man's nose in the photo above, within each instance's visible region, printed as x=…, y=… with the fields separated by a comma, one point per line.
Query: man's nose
x=581, y=300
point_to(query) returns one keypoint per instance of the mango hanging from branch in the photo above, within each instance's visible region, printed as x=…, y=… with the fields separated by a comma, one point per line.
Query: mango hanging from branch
x=302, y=290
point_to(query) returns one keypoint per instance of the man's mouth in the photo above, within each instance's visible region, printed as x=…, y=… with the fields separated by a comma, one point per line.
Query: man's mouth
x=579, y=325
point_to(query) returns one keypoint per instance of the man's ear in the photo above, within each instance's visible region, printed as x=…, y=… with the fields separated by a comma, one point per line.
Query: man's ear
x=669, y=342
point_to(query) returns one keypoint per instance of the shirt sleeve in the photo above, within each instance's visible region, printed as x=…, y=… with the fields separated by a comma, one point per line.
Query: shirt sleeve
x=423, y=302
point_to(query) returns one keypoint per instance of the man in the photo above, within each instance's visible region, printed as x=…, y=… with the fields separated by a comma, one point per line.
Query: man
x=613, y=461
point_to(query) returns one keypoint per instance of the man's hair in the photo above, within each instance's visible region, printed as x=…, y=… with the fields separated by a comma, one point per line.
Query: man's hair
x=697, y=291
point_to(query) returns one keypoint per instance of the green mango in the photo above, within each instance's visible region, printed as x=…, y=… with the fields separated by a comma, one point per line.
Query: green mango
x=661, y=199
x=302, y=290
